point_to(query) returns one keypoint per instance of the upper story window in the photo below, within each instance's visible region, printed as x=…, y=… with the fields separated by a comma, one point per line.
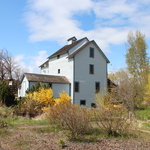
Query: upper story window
x=76, y=86
x=91, y=69
x=58, y=56
x=44, y=71
x=58, y=71
x=46, y=65
x=97, y=87
x=91, y=52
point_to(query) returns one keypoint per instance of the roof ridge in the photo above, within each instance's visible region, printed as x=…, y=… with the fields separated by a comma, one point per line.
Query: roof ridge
x=46, y=78
x=65, y=48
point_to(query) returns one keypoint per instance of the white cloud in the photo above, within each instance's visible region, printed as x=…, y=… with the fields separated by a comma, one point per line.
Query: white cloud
x=36, y=61
x=31, y=63
x=54, y=20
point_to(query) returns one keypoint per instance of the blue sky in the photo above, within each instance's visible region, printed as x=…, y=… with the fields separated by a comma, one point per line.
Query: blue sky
x=32, y=30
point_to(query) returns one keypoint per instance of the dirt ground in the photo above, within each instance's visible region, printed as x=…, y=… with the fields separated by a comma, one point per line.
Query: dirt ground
x=25, y=138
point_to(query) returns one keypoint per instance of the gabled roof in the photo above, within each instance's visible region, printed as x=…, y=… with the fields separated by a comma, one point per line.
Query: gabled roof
x=86, y=44
x=65, y=48
x=46, y=78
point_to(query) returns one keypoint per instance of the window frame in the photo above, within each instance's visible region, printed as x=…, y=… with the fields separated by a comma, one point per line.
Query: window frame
x=58, y=56
x=91, y=69
x=58, y=71
x=76, y=86
x=91, y=52
x=97, y=88
x=83, y=100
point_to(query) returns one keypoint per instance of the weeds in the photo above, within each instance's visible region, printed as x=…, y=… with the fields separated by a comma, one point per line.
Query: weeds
x=6, y=112
x=146, y=125
x=3, y=123
x=49, y=129
x=61, y=142
x=70, y=117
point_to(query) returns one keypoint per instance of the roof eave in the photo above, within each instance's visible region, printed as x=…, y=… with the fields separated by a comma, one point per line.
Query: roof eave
x=56, y=55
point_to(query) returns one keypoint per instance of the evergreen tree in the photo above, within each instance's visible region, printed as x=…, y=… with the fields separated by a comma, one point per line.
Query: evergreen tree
x=6, y=96
x=36, y=87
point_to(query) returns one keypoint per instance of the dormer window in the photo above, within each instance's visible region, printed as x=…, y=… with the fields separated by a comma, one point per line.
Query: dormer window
x=58, y=56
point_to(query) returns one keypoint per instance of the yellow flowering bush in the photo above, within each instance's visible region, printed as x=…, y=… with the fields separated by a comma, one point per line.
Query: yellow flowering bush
x=64, y=97
x=39, y=101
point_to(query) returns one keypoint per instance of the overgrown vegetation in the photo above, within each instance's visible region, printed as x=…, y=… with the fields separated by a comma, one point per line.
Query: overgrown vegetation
x=112, y=119
x=68, y=120
x=70, y=117
x=35, y=103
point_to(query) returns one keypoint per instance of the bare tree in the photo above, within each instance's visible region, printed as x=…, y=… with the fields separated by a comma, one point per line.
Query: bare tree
x=8, y=65
x=128, y=91
x=3, y=71
x=10, y=69
x=11, y=66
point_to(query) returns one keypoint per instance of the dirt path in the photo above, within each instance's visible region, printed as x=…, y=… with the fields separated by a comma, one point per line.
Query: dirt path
x=24, y=138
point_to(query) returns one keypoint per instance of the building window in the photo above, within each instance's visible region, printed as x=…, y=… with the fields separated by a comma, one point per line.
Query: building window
x=76, y=87
x=83, y=102
x=44, y=71
x=50, y=85
x=91, y=52
x=58, y=71
x=97, y=87
x=58, y=56
x=93, y=105
x=91, y=69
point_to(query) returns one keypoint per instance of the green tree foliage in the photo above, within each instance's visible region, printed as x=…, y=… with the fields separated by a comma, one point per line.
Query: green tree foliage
x=36, y=87
x=6, y=96
x=136, y=57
